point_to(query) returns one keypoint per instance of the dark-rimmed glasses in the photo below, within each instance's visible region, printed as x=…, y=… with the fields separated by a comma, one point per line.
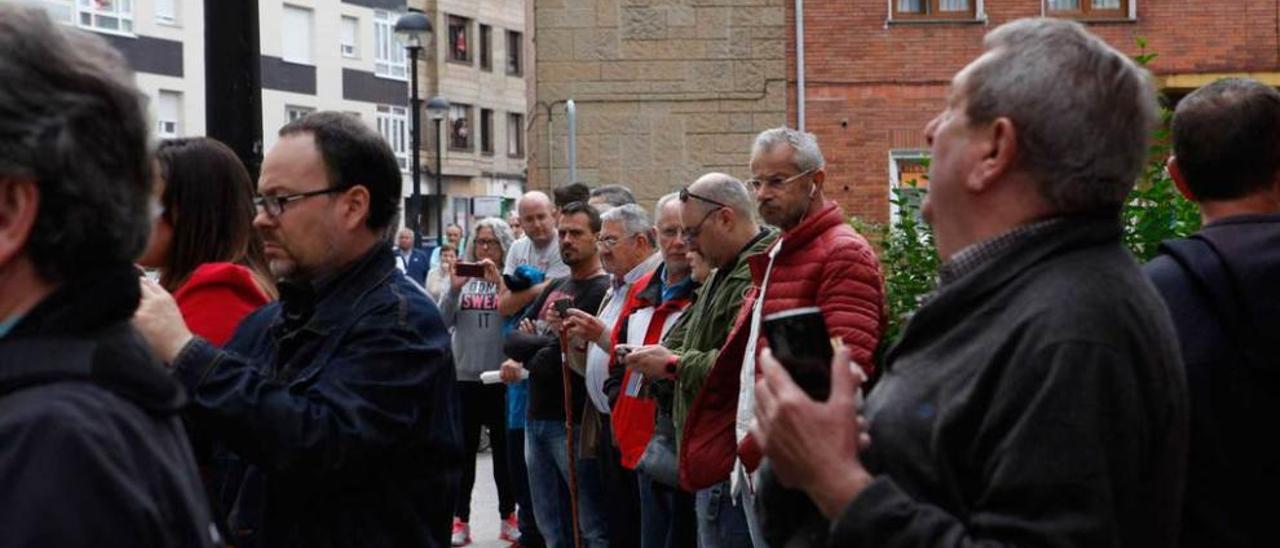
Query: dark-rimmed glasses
x=689, y=234
x=274, y=205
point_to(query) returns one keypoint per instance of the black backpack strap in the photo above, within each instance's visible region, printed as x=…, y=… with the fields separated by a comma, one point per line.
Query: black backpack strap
x=1208, y=273
x=29, y=362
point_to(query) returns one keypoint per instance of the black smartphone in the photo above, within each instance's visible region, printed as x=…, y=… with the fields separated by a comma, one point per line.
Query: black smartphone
x=799, y=340
x=469, y=270
x=563, y=306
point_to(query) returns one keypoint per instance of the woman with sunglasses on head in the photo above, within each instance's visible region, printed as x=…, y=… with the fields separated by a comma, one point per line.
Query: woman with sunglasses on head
x=470, y=307
x=202, y=242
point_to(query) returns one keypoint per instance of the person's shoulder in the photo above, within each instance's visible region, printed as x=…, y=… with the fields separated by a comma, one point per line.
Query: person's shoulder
x=232, y=279
x=66, y=415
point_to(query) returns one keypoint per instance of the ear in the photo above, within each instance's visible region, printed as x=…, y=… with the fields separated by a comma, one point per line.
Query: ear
x=819, y=177
x=998, y=144
x=1179, y=180
x=355, y=207
x=19, y=201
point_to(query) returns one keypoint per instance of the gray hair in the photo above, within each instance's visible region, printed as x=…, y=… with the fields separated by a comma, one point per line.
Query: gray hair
x=501, y=231
x=1085, y=142
x=634, y=219
x=614, y=195
x=807, y=154
x=662, y=202
x=727, y=190
x=72, y=120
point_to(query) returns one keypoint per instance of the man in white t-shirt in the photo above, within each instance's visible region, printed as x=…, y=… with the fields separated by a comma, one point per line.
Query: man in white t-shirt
x=539, y=248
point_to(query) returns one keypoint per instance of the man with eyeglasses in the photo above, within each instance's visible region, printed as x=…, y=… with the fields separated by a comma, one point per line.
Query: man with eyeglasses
x=718, y=223
x=627, y=251
x=340, y=396
x=817, y=261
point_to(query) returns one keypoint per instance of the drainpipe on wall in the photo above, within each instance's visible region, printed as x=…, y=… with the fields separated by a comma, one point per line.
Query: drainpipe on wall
x=800, y=65
x=571, y=112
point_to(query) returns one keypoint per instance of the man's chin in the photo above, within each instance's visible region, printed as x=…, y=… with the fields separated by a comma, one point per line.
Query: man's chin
x=282, y=269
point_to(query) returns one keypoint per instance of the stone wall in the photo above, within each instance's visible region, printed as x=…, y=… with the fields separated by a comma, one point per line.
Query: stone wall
x=666, y=90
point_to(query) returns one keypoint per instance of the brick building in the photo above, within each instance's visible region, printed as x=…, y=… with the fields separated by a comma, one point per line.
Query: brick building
x=876, y=71
x=665, y=89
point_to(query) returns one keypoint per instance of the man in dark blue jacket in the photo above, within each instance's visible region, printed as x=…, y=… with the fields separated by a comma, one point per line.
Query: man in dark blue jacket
x=414, y=262
x=92, y=449
x=341, y=395
x=1222, y=286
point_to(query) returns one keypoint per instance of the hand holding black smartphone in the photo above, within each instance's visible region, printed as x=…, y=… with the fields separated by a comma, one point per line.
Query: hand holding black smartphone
x=469, y=270
x=800, y=341
x=563, y=306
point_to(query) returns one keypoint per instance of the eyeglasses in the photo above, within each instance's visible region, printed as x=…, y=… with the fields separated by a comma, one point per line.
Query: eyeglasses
x=608, y=242
x=690, y=234
x=486, y=242
x=685, y=195
x=274, y=205
x=777, y=183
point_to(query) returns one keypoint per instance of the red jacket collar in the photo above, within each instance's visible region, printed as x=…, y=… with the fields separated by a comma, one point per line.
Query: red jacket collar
x=828, y=216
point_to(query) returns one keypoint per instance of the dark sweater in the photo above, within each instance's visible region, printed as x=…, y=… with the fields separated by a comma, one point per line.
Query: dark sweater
x=540, y=353
x=1037, y=401
x=1230, y=347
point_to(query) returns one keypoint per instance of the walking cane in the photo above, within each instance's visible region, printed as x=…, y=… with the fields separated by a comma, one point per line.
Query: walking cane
x=568, y=427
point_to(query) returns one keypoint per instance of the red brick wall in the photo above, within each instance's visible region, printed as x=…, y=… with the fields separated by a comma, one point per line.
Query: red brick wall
x=887, y=81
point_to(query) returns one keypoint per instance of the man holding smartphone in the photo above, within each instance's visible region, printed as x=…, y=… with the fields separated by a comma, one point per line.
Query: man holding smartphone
x=1037, y=398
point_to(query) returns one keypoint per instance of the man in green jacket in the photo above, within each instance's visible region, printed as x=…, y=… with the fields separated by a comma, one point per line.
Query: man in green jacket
x=718, y=223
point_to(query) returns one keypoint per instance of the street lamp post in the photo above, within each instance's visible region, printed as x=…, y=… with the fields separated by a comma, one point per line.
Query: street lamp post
x=413, y=29
x=439, y=106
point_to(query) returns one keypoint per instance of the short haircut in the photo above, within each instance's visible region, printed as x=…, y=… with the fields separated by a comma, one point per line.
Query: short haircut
x=1226, y=136
x=634, y=219
x=593, y=216
x=72, y=121
x=569, y=193
x=807, y=155
x=355, y=155
x=448, y=247
x=661, y=203
x=1083, y=112
x=614, y=195
x=725, y=189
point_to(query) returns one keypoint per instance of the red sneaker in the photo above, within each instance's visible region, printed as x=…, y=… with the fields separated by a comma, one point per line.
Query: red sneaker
x=461, y=533
x=510, y=529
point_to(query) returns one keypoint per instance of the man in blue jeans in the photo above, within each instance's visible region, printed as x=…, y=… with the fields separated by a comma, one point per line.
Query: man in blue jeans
x=536, y=347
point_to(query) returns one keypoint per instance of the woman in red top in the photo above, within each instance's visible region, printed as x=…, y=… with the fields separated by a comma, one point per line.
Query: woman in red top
x=203, y=242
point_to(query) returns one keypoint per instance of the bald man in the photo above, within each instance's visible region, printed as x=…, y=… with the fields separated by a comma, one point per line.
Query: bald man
x=539, y=248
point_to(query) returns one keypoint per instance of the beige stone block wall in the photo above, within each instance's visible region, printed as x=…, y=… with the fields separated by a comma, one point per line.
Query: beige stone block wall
x=666, y=90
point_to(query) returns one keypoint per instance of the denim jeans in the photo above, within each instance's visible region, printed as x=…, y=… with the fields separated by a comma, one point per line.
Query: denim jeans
x=666, y=515
x=529, y=534
x=721, y=523
x=747, y=501
x=549, y=488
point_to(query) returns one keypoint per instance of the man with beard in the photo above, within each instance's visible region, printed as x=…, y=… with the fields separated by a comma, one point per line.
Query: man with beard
x=340, y=397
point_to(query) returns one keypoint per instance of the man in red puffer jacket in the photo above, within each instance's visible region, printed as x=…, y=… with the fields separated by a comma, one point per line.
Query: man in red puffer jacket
x=819, y=260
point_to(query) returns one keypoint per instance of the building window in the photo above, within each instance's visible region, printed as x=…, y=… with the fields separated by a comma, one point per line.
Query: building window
x=167, y=12
x=168, y=114
x=393, y=124
x=295, y=35
x=909, y=176
x=460, y=127
x=1092, y=9
x=933, y=9
x=515, y=135
x=515, y=52
x=486, y=47
x=459, y=39
x=349, y=37
x=292, y=112
x=486, y=131
x=388, y=55
x=106, y=15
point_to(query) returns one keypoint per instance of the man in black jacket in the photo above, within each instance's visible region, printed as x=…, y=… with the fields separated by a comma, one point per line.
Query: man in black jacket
x=92, y=448
x=1222, y=286
x=341, y=395
x=1037, y=397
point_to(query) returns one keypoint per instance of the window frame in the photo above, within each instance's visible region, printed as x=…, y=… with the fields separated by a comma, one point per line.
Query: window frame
x=289, y=110
x=385, y=60
x=486, y=47
x=387, y=119
x=173, y=19
x=310, y=35
x=515, y=127
x=161, y=132
x=355, y=37
x=451, y=42
x=469, y=146
x=1126, y=11
x=935, y=13
x=515, y=38
x=486, y=132
x=898, y=157
x=123, y=13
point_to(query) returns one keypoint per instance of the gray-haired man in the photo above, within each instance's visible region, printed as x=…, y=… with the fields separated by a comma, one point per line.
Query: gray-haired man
x=1037, y=397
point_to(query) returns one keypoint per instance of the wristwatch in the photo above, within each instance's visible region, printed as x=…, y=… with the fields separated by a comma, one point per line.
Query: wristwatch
x=672, y=360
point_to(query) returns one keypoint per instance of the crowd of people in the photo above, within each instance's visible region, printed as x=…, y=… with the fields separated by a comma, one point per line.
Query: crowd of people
x=188, y=358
